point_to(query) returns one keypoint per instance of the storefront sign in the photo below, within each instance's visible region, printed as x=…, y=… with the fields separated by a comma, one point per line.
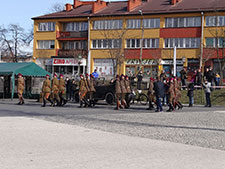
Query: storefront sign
x=144, y=62
x=70, y=62
x=170, y=62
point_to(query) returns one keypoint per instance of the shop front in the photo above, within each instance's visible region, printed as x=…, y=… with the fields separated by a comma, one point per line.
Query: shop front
x=168, y=66
x=149, y=67
x=104, y=67
x=69, y=66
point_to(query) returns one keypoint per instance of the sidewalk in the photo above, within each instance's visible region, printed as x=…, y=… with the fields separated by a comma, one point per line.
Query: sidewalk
x=27, y=143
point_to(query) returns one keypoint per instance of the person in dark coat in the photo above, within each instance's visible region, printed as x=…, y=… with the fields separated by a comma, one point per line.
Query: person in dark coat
x=199, y=77
x=73, y=88
x=68, y=89
x=183, y=76
x=159, y=89
x=139, y=79
x=190, y=94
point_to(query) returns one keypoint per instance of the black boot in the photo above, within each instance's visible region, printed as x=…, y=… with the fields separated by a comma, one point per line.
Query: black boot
x=44, y=103
x=52, y=103
x=81, y=103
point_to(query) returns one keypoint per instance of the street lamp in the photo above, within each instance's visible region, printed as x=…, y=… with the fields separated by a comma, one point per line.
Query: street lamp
x=142, y=35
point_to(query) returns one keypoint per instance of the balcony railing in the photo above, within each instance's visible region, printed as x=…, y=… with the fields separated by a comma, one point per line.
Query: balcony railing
x=72, y=53
x=66, y=35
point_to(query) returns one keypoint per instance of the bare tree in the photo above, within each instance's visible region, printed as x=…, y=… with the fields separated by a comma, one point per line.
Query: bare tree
x=115, y=48
x=12, y=40
x=56, y=7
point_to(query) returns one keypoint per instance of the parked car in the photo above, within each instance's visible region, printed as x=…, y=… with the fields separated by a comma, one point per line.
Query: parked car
x=104, y=91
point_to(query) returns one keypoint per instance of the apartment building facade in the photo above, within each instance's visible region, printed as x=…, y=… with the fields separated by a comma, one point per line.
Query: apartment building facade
x=131, y=34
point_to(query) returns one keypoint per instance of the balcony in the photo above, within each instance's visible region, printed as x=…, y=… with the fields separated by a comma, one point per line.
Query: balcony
x=82, y=35
x=72, y=53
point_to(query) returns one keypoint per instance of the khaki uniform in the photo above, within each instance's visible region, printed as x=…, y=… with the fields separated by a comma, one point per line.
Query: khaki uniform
x=128, y=96
x=151, y=94
x=82, y=92
x=55, y=89
x=46, y=90
x=118, y=93
x=20, y=89
x=91, y=88
x=62, y=85
x=123, y=92
x=171, y=97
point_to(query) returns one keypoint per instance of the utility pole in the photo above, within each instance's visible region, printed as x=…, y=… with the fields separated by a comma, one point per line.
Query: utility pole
x=141, y=45
x=175, y=61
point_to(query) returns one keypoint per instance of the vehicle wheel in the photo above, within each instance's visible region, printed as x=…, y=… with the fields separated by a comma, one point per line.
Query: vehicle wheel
x=110, y=99
x=143, y=99
x=76, y=97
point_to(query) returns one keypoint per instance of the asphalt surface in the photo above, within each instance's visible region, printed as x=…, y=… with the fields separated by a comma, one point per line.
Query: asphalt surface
x=30, y=143
x=198, y=126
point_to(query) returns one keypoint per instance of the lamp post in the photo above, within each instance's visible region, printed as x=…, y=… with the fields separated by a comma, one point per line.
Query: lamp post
x=142, y=35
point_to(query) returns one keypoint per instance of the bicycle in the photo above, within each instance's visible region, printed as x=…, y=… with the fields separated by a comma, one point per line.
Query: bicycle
x=139, y=97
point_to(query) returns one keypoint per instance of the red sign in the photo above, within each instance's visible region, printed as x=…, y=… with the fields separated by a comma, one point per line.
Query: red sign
x=61, y=61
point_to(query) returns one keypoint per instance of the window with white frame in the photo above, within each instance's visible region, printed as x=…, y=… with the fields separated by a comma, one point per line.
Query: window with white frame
x=71, y=45
x=46, y=26
x=133, y=23
x=147, y=43
x=107, y=24
x=182, y=22
x=182, y=42
x=215, y=42
x=151, y=23
x=46, y=44
x=106, y=43
x=215, y=20
x=75, y=26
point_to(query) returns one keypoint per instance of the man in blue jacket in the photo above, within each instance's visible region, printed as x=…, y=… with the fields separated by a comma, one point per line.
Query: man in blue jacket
x=95, y=74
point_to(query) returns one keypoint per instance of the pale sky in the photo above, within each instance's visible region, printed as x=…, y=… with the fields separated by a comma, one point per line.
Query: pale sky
x=21, y=11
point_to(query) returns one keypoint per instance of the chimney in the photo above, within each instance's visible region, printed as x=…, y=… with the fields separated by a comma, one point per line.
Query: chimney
x=131, y=4
x=77, y=3
x=69, y=7
x=98, y=5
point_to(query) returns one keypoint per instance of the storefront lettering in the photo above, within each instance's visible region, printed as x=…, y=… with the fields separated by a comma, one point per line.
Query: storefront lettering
x=65, y=62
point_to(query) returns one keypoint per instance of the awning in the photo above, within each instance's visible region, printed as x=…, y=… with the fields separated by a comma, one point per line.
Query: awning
x=26, y=69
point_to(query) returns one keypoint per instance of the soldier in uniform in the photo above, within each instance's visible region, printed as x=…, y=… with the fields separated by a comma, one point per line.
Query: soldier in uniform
x=118, y=92
x=177, y=89
x=123, y=91
x=20, y=88
x=151, y=94
x=46, y=90
x=171, y=96
x=55, y=90
x=128, y=94
x=82, y=91
x=92, y=88
x=87, y=84
x=62, y=86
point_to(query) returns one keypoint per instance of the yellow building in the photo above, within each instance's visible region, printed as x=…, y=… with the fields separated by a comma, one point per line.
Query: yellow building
x=126, y=35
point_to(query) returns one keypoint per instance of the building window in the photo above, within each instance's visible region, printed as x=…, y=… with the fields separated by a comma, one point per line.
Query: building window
x=151, y=23
x=71, y=45
x=46, y=26
x=107, y=24
x=215, y=42
x=75, y=26
x=133, y=23
x=183, y=22
x=215, y=20
x=46, y=44
x=182, y=42
x=147, y=43
x=106, y=44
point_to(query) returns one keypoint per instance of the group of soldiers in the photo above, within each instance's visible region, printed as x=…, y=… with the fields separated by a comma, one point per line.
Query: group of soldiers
x=53, y=91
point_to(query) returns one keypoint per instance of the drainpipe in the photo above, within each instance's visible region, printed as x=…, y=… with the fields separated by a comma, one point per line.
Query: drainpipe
x=89, y=52
x=201, y=54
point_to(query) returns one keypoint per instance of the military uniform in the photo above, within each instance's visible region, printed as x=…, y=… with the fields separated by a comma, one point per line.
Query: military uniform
x=128, y=94
x=92, y=87
x=82, y=91
x=46, y=90
x=177, y=89
x=123, y=92
x=118, y=92
x=171, y=96
x=55, y=90
x=151, y=94
x=20, y=89
x=62, y=86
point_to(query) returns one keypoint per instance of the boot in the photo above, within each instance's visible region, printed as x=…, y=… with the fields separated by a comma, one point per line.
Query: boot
x=180, y=106
x=44, y=103
x=52, y=103
x=81, y=103
x=117, y=105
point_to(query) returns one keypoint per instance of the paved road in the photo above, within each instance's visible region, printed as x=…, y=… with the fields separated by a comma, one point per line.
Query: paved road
x=28, y=143
x=199, y=126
